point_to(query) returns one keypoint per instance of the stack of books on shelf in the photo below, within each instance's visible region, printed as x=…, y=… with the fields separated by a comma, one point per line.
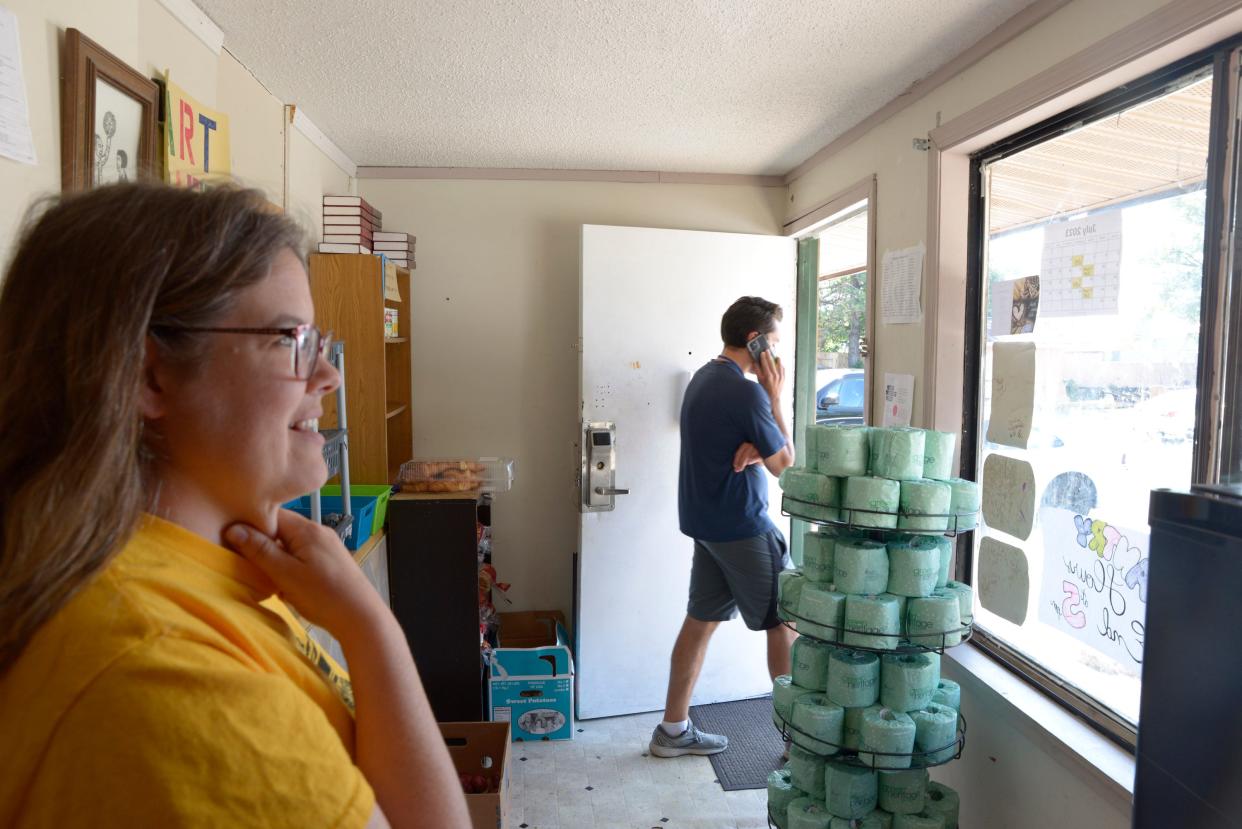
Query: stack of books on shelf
x=398, y=247
x=349, y=225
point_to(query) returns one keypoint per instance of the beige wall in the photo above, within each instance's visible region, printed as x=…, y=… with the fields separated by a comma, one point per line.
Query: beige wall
x=495, y=326
x=144, y=35
x=901, y=171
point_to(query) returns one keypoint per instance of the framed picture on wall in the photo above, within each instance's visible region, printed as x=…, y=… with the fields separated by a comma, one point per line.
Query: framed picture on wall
x=108, y=114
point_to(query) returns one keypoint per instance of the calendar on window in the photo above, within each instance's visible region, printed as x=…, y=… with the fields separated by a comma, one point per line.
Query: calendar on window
x=1081, y=270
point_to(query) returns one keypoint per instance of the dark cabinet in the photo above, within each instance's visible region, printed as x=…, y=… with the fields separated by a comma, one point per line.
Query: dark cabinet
x=433, y=581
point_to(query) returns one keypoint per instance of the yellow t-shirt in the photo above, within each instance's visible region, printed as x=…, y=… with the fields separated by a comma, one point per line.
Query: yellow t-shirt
x=163, y=694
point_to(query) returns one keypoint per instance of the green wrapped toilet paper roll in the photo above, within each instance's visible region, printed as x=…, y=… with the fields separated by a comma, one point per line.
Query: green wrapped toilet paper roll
x=902, y=792
x=872, y=621
x=818, y=723
x=853, y=678
x=965, y=599
x=821, y=612
x=808, y=813
x=934, y=621
x=817, y=559
x=860, y=566
x=923, y=821
x=807, y=485
x=945, y=547
x=935, y=658
x=841, y=450
x=901, y=610
x=807, y=771
x=924, y=505
x=871, y=821
x=913, y=565
x=810, y=661
x=944, y=802
x=907, y=681
x=781, y=792
x=784, y=692
x=948, y=693
x=935, y=732
x=964, y=501
x=811, y=512
x=883, y=819
x=887, y=738
x=789, y=590
x=871, y=502
x=897, y=453
x=851, y=733
x=850, y=792
x=938, y=450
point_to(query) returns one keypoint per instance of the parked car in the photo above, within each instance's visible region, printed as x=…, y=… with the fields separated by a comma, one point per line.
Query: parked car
x=841, y=400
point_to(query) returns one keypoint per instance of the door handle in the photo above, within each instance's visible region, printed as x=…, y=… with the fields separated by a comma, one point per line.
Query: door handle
x=607, y=490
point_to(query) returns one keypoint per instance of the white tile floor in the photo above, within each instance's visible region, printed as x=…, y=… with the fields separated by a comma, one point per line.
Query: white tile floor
x=601, y=780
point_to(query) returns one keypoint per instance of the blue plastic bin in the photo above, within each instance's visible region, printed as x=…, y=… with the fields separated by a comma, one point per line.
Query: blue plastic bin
x=362, y=507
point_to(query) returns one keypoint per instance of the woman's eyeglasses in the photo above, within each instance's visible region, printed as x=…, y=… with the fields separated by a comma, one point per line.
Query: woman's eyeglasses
x=306, y=342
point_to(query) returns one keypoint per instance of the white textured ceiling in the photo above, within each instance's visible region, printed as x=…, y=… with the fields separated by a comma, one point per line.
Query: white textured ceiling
x=670, y=85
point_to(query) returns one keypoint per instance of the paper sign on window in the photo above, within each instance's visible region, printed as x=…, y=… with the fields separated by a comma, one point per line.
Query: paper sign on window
x=1094, y=584
x=1009, y=495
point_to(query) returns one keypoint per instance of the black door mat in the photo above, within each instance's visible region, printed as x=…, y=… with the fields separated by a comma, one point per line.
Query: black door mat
x=755, y=746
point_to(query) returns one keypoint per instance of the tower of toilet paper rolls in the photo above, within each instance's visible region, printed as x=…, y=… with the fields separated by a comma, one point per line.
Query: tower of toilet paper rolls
x=865, y=725
x=886, y=478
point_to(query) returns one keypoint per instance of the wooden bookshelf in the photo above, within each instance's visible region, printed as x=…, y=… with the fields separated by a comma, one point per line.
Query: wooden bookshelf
x=348, y=290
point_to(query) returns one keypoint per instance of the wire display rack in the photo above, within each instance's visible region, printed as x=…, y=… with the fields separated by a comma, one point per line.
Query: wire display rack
x=865, y=520
x=846, y=756
x=947, y=638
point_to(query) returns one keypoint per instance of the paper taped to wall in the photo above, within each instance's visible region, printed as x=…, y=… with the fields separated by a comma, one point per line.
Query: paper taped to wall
x=16, y=140
x=901, y=284
x=898, y=399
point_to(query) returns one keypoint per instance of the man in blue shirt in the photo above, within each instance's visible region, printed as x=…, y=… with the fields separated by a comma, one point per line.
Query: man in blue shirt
x=732, y=429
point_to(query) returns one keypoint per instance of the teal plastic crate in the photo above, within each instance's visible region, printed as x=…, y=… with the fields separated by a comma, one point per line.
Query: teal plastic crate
x=380, y=491
x=361, y=506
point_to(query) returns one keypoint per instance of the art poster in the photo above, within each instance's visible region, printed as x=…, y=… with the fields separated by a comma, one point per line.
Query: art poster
x=1013, y=393
x=1081, y=266
x=1015, y=304
x=196, y=140
x=1094, y=584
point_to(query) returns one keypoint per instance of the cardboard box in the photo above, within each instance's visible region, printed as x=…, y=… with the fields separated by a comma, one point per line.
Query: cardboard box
x=482, y=748
x=531, y=680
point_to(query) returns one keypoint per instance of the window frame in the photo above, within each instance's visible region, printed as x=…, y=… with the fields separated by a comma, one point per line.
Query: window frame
x=1220, y=324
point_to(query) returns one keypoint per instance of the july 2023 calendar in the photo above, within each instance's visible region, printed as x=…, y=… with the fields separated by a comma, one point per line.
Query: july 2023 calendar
x=1081, y=269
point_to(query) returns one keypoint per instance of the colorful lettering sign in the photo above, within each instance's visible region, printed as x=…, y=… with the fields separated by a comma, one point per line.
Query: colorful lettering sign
x=196, y=140
x=1095, y=583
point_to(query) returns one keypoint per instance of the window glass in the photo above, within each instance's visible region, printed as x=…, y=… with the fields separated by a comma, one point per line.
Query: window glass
x=1093, y=259
x=841, y=328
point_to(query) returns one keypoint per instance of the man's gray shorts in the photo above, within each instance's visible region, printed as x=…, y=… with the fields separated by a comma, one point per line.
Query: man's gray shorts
x=732, y=576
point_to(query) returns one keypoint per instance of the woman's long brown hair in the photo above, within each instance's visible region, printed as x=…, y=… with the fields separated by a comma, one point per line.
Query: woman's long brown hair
x=91, y=275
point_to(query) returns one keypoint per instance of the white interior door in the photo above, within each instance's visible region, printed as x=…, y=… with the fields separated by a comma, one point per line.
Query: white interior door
x=651, y=307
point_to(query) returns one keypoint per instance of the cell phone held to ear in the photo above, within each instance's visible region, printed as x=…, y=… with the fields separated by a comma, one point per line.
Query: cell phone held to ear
x=757, y=346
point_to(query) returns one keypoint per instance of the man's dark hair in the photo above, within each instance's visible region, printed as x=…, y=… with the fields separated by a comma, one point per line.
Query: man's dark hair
x=750, y=313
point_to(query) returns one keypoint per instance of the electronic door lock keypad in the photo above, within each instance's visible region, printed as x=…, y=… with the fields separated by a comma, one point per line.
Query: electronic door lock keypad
x=599, y=466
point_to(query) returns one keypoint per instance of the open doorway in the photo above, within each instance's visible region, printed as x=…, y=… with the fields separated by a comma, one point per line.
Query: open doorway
x=842, y=317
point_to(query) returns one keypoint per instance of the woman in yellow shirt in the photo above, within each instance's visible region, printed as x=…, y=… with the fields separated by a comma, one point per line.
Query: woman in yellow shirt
x=162, y=373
